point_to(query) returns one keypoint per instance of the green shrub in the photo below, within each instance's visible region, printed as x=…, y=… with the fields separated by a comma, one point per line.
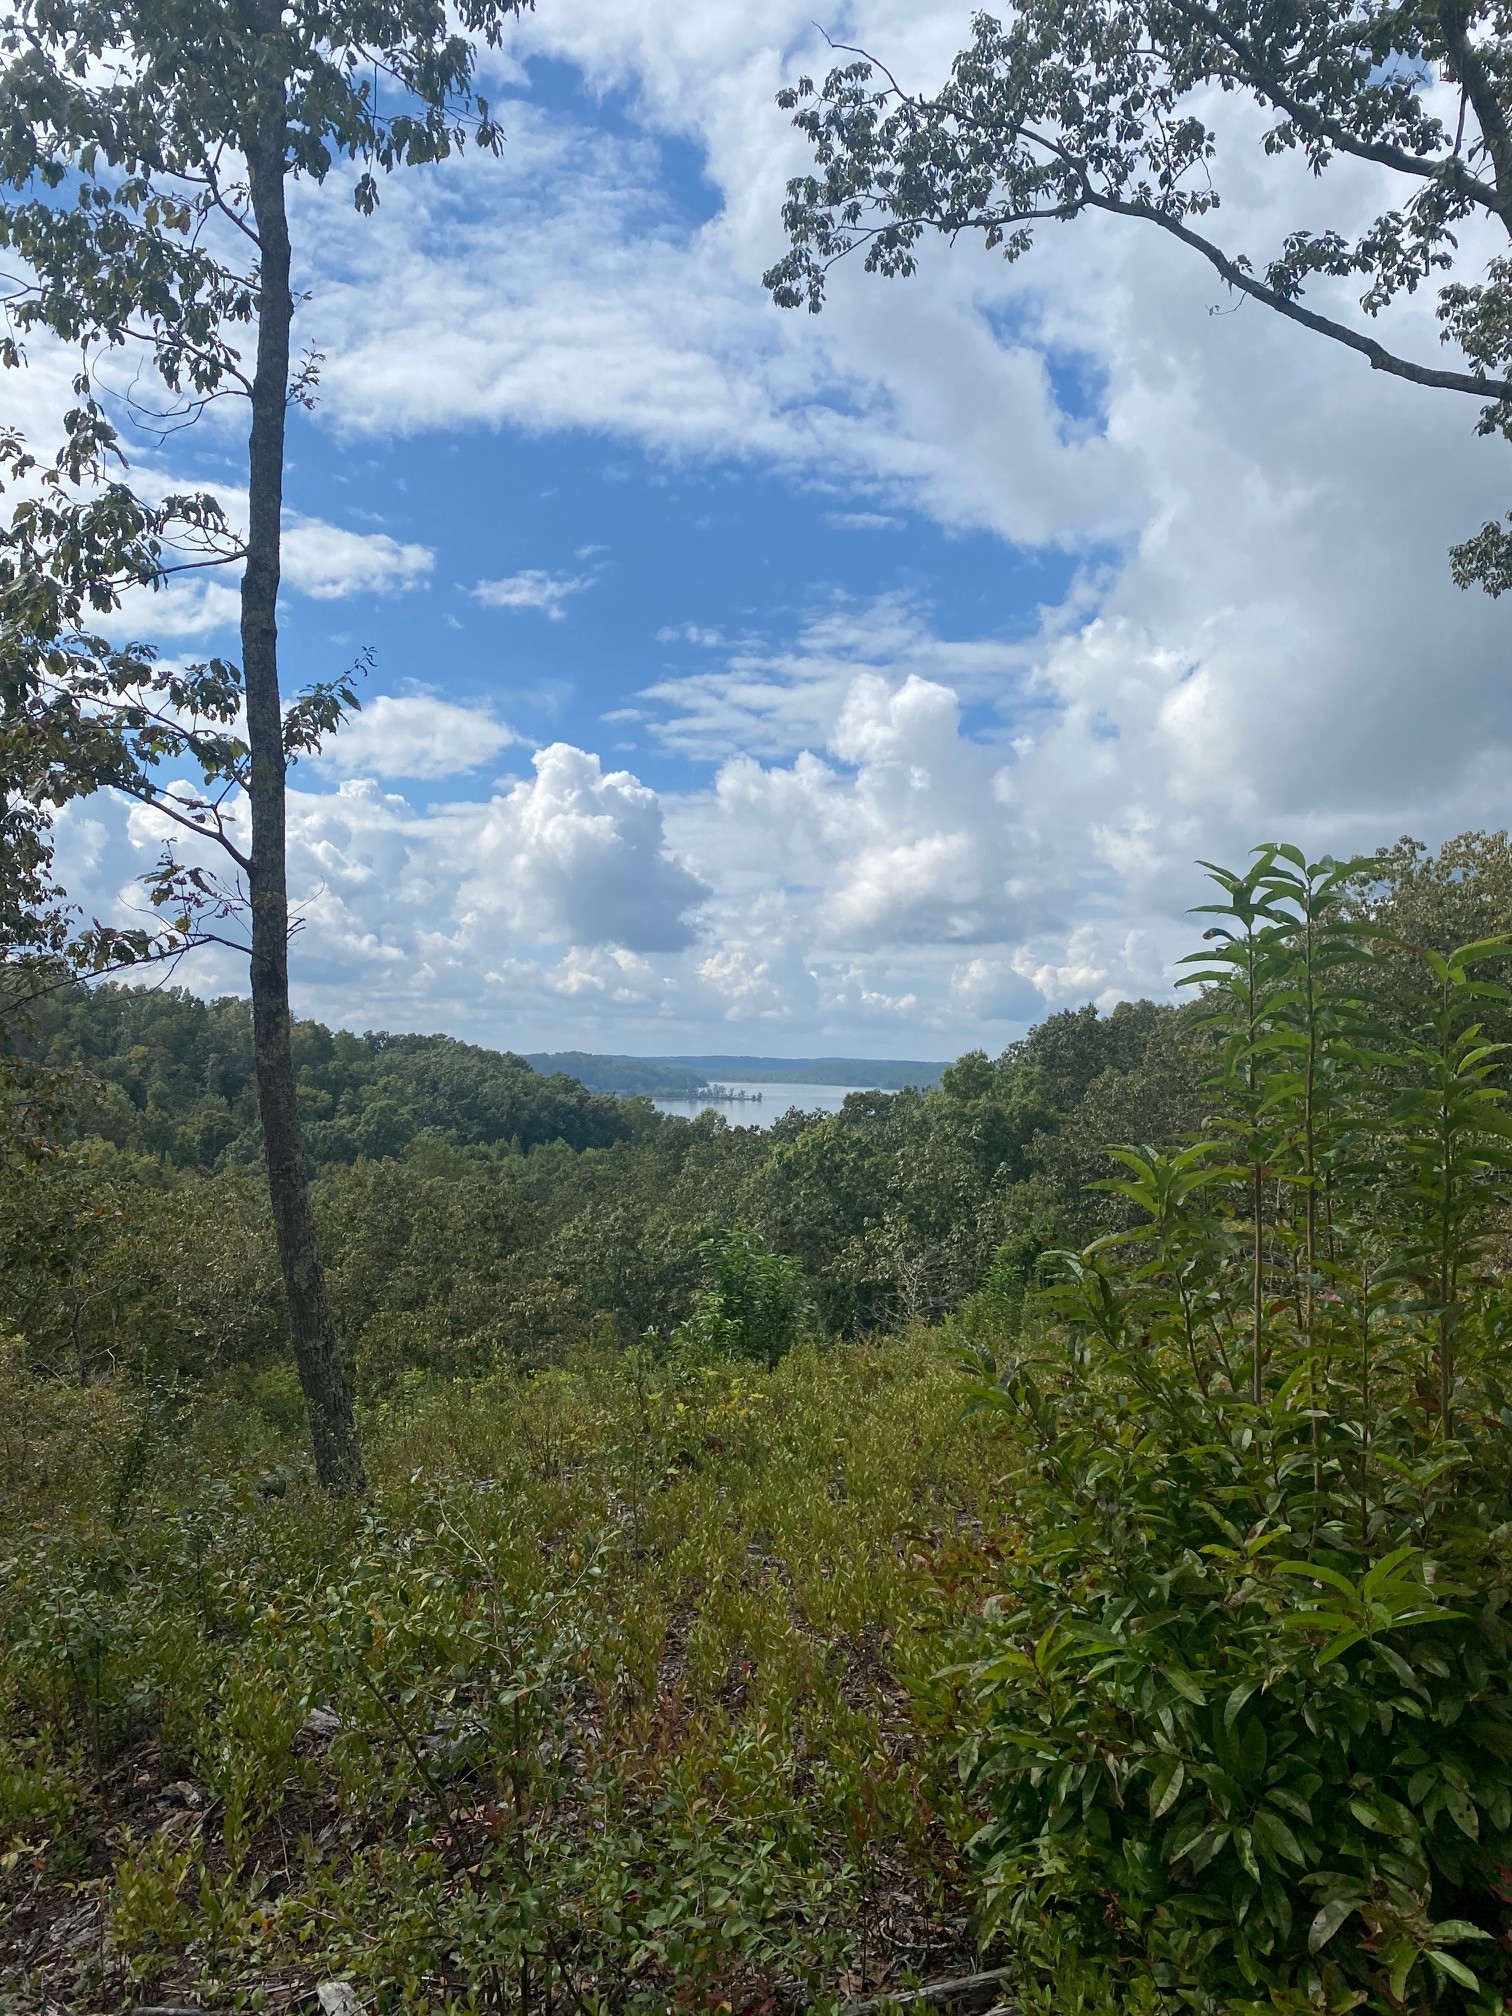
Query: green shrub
x=1243, y=1774
x=751, y=1305
x=1246, y=1719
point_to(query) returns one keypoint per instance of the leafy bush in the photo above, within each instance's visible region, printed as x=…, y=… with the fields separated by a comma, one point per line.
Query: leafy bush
x=1247, y=1724
x=1242, y=1771
x=751, y=1305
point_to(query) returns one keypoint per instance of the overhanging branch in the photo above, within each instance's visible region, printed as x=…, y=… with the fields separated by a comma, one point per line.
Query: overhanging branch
x=1378, y=356
x=1262, y=78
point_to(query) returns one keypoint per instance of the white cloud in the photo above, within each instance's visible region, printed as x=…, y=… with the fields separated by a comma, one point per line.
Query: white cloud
x=193, y=605
x=560, y=887
x=706, y=637
x=417, y=735
x=905, y=833
x=771, y=700
x=326, y=562
x=864, y=521
x=1077, y=974
x=578, y=855
x=533, y=588
x=329, y=562
x=562, y=287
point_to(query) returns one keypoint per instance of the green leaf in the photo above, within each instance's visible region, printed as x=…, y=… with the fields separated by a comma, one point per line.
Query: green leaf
x=1399, y=1958
x=1254, y=1751
x=1340, y=1644
x=1237, y=1699
x=1316, y=1571
x=1206, y=1846
x=1185, y=1685
x=1292, y=1802
x=1461, y=1809
x=1165, y=1787
x=1446, y=1963
x=1272, y=1828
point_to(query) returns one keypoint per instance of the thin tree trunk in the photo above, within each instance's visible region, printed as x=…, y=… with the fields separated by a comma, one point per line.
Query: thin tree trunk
x=1257, y=1179
x=1257, y=1281
x=328, y=1397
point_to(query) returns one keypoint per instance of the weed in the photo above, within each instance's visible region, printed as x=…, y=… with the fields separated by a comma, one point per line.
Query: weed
x=624, y=1680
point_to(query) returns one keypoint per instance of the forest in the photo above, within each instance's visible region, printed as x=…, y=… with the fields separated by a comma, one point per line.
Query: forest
x=563, y=1210
x=1037, y=1540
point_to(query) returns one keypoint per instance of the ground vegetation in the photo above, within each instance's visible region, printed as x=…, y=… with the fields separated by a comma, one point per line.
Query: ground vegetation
x=1057, y=1521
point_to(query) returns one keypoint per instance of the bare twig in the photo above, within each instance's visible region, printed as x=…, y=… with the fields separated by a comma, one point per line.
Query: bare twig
x=963, y=1992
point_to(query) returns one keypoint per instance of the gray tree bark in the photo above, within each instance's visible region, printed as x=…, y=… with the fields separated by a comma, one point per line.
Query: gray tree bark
x=312, y=1334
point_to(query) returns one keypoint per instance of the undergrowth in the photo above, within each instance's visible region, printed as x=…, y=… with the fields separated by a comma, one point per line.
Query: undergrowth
x=618, y=1693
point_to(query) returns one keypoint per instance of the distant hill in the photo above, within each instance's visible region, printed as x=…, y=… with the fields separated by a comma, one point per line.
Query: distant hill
x=172, y=1077
x=887, y=1074
x=689, y=1077
x=630, y=1077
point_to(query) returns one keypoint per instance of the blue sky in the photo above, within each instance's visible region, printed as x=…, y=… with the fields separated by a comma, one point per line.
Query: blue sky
x=756, y=682
x=651, y=558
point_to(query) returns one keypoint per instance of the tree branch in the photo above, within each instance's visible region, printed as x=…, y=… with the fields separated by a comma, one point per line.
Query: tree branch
x=213, y=184
x=159, y=802
x=1379, y=357
x=1481, y=92
x=966, y=1991
x=1089, y=197
x=1265, y=80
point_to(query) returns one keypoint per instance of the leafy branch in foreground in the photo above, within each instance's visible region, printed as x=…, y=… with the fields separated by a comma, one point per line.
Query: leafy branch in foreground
x=1089, y=107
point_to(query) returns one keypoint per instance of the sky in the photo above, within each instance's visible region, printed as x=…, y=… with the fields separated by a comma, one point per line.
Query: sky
x=866, y=684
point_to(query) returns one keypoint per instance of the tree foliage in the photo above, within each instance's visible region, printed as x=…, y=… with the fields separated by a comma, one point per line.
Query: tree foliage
x=1114, y=106
x=146, y=147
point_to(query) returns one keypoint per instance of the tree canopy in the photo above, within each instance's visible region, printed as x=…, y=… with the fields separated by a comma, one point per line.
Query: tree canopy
x=1081, y=106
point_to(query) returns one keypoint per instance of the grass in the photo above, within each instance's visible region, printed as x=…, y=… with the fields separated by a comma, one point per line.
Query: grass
x=620, y=1691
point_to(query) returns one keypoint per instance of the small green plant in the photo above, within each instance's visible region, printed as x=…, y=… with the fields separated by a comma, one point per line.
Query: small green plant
x=153, y=1915
x=750, y=1307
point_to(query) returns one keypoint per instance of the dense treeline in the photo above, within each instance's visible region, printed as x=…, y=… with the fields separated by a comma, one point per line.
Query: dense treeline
x=471, y=1209
x=473, y=1212
x=628, y=1077
x=171, y=1076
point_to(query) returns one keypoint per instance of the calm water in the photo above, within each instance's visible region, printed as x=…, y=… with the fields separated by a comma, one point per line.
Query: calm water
x=775, y=1100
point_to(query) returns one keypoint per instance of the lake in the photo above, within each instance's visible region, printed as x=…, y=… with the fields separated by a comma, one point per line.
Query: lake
x=775, y=1100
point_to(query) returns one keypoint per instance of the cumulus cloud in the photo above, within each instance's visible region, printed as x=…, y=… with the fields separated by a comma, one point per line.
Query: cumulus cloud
x=906, y=834
x=559, y=887
x=580, y=855
x=770, y=698
x=191, y=606
x=571, y=858
x=533, y=588
x=329, y=561
x=417, y=735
